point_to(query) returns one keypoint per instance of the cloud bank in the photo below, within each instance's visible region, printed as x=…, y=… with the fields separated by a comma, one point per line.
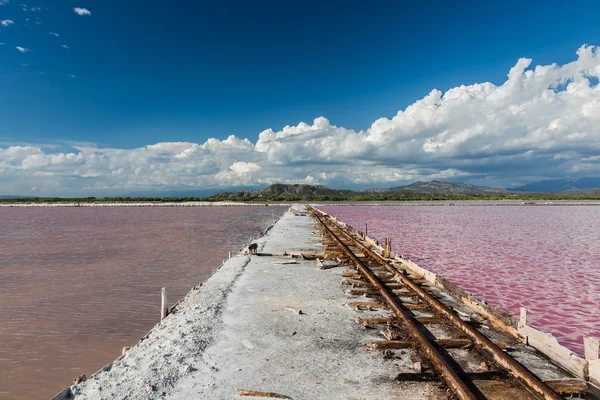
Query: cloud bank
x=542, y=122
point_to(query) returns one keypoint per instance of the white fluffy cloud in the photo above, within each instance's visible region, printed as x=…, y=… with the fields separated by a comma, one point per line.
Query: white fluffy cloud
x=541, y=122
x=22, y=49
x=82, y=11
x=6, y=22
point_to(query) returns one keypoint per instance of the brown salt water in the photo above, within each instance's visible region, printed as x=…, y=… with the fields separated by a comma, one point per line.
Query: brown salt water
x=78, y=284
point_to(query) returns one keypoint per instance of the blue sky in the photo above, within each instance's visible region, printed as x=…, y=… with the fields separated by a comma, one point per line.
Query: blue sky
x=139, y=73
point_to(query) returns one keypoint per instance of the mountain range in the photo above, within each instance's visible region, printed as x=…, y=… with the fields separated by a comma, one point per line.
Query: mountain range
x=558, y=188
x=561, y=185
x=447, y=187
x=431, y=190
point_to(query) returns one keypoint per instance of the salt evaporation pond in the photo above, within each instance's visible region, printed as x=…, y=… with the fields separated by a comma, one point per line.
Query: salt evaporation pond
x=77, y=284
x=544, y=258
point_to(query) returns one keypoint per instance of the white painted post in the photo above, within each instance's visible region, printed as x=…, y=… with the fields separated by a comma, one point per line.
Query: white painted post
x=522, y=318
x=164, y=310
x=592, y=347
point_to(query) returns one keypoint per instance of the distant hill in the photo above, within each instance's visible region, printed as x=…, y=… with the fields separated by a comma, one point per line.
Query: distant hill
x=279, y=190
x=561, y=185
x=426, y=190
x=443, y=187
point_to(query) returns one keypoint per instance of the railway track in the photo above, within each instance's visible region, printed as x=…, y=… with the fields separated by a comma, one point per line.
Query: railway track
x=416, y=317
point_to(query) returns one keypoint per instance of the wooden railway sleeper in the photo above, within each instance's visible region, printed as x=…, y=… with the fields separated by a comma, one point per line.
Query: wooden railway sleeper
x=437, y=360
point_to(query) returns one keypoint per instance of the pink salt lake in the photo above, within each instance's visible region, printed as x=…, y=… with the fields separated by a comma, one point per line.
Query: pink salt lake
x=544, y=258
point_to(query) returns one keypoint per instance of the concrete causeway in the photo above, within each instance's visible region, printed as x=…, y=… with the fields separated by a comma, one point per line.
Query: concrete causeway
x=279, y=326
x=236, y=332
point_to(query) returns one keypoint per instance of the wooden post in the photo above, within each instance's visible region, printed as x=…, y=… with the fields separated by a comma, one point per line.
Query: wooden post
x=592, y=346
x=522, y=318
x=387, y=248
x=164, y=309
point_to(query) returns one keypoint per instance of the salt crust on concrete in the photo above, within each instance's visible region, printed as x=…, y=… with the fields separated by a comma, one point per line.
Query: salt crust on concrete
x=236, y=333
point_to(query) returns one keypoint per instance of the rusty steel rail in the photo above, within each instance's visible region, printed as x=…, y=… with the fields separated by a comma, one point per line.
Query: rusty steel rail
x=512, y=366
x=437, y=360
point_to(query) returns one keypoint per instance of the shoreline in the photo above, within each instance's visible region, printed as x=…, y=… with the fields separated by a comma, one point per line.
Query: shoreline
x=142, y=204
x=391, y=203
